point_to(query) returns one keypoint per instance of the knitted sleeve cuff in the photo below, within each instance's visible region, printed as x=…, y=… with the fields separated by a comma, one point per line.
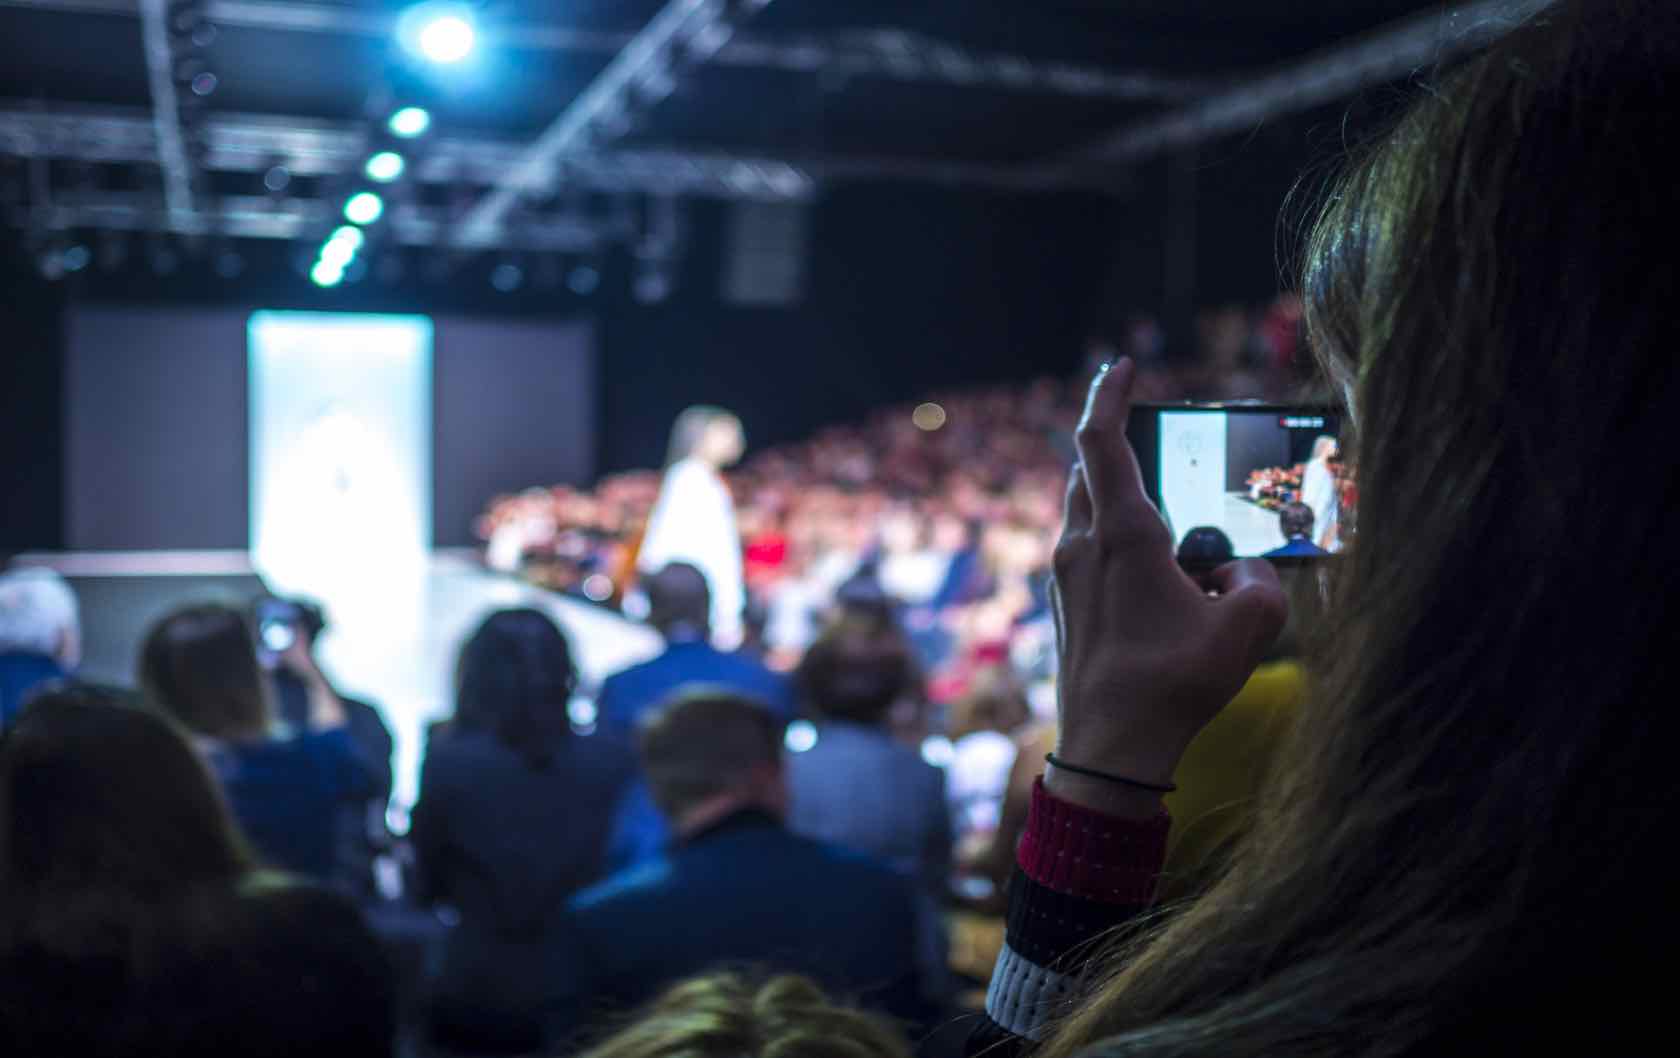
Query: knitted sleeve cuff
x=1075, y=850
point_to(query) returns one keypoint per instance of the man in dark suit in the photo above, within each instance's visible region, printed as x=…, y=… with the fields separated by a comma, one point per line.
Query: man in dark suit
x=1296, y=521
x=679, y=606
x=736, y=890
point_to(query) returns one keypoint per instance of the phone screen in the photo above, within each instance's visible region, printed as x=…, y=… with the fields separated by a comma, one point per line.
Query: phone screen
x=1268, y=479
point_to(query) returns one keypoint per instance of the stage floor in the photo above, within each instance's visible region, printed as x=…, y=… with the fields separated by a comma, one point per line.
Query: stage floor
x=392, y=643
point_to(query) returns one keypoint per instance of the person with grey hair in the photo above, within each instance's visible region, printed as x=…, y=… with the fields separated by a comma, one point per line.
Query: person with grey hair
x=40, y=635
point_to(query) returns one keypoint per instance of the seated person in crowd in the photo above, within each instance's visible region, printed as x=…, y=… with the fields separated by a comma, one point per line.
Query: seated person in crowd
x=288, y=791
x=1295, y=520
x=133, y=919
x=680, y=607
x=512, y=819
x=856, y=785
x=40, y=635
x=981, y=728
x=726, y=1016
x=737, y=888
x=362, y=828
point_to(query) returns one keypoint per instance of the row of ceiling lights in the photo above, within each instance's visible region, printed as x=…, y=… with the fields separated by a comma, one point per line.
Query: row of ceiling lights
x=441, y=33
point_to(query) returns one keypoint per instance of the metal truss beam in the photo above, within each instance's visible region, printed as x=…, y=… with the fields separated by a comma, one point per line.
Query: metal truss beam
x=884, y=53
x=1388, y=54
x=166, y=114
x=697, y=27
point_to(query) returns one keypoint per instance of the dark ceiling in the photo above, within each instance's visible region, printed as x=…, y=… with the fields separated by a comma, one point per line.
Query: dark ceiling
x=1012, y=96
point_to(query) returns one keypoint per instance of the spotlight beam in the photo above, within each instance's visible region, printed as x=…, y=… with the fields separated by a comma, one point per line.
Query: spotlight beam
x=697, y=23
x=166, y=115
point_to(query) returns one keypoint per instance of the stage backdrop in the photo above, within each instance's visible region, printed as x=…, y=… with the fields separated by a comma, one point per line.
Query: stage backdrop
x=157, y=418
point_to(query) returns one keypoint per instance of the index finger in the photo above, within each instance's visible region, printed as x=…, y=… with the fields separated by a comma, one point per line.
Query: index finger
x=1111, y=468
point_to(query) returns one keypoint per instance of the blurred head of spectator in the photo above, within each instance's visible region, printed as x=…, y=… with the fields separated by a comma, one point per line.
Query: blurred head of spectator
x=679, y=602
x=38, y=615
x=995, y=701
x=97, y=792
x=726, y=1016
x=199, y=665
x=40, y=635
x=283, y=969
x=709, y=754
x=515, y=678
x=1295, y=520
x=1205, y=547
x=857, y=670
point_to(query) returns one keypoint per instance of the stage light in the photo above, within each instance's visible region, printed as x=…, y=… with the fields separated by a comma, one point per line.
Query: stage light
x=277, y=178
x=584, y=279
x=598, y=587
x=326, y=274
x=439, y=32
x=928, y=417
x=76, y=257
x=652, y=282
x=410, y=122
x=348, y=233
x=364, y=207
x=384, y=167
x=337, y=254
x=507, y=277
x=205, y=83
x=448, y=39
x=800, y=737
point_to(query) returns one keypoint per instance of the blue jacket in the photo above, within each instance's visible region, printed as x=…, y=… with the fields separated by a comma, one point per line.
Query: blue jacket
x=287, y=793
x=639, y=831
x=21, y=674
x=745, y=894
x=1298, y=547
x=629, y=695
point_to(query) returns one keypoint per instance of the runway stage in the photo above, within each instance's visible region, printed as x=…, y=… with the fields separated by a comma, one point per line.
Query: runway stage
x=392, y=637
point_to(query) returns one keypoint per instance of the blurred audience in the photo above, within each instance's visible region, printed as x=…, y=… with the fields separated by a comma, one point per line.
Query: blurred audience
x=981, y=727
x=288, y=790
x=737, y=888
x=858, y=785
x=679, y=607
x=132, y=919
x=363, y=834
x=512, y=819
x=727, y=1016
x=40, y=634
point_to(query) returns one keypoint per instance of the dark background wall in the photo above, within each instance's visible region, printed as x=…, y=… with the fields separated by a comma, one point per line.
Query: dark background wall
x=155, y=430
x=1252, y=441
x=157, y=434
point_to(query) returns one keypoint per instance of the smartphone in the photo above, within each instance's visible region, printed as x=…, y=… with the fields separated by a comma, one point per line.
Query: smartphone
x=1241, y=480
x=277, y=629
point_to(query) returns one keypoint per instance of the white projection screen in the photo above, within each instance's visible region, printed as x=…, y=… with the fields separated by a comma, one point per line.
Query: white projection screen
x=340, y=446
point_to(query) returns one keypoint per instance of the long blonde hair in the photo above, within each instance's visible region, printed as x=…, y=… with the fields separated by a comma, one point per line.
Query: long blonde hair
x=1458, y=851
x=726, y=1016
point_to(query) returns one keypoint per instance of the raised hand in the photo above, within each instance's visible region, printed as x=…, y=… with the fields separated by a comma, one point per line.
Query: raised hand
x=1148, y=654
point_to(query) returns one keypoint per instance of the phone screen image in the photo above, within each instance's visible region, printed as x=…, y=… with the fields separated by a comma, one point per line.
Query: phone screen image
x=1270, y=479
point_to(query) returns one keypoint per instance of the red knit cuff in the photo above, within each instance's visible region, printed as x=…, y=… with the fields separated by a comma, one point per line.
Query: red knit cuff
x=1087, y=854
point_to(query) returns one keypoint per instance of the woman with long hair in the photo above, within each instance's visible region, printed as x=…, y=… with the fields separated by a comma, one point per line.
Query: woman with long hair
x=1465, y=846
x=289, y=790
x=133, y=919
x=513, y=818
x=693, y=520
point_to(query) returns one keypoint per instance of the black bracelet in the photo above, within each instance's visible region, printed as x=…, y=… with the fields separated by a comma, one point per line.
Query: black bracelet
x=1051, y=758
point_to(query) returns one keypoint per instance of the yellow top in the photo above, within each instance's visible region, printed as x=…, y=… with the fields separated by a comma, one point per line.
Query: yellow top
x=1222, y=771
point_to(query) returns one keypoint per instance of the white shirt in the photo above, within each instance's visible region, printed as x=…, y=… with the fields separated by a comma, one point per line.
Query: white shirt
x=693, y=521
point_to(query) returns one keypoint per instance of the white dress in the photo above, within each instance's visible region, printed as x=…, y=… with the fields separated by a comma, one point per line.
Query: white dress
x=693, y=521
x=1318, y=491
